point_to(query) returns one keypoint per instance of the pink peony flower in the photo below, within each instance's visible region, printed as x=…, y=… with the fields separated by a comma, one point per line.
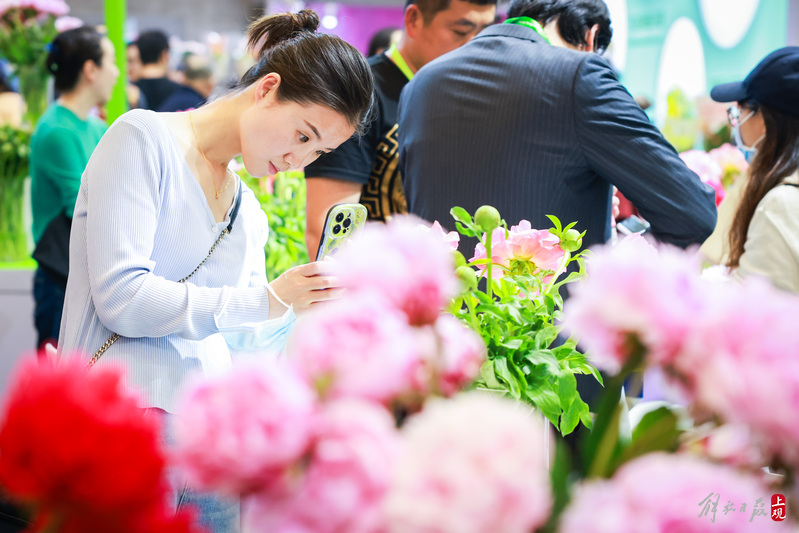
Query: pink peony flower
x=524, y=244
x=240, y=432
x=681, y=501
x=451, y=239
x=63, y=24
x=347, y=476
x=410, y=266
x=356, y=346
x=56, y=8
x=453, y=356
x=473, y=464
x=707, y=169
x=632, y=291
x=537, y=246
x=741, y=362
x=501, y=254
x=731, y=161
x=730, y=444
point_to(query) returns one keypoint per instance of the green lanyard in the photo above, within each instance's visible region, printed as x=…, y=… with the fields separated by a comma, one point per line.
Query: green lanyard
x=529, y=23
x=394, y=54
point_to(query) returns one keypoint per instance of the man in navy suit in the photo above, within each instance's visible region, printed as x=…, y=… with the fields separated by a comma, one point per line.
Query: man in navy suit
x=533, y=129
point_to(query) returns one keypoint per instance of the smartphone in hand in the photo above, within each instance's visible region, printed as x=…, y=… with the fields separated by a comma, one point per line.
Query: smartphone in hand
x=342, y=222
x=632, y=224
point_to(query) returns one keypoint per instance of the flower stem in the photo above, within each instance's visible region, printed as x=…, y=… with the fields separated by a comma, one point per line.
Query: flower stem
x=490, y=281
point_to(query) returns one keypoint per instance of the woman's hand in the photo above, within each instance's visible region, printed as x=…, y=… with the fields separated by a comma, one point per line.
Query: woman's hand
x=303, y=286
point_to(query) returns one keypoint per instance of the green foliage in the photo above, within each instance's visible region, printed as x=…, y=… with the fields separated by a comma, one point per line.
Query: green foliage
x=681, y=126
x=14, y=156
x=516, y=315
x=283, y=200
x=25, y=34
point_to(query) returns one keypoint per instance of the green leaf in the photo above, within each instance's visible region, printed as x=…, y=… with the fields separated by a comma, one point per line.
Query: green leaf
x=567, y=391
x=657, y=431
x=461, y=215
x=463, y=230
x=502, y=371
x=570, y=418
x=512, y=344
x=556, y=222
x=546, y=401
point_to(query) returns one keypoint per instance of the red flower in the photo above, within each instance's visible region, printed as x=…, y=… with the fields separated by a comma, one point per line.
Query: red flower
x=76, y=448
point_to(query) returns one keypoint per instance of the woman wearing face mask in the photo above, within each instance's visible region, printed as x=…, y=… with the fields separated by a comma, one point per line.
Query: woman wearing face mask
x=167, y=269
x=764, y=235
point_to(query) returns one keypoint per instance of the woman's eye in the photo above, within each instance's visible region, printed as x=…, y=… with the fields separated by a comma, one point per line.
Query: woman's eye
x=304, y=138
x=320, y=153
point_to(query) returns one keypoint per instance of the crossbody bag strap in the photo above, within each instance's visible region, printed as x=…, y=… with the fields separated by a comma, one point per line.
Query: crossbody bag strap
x=115, y=337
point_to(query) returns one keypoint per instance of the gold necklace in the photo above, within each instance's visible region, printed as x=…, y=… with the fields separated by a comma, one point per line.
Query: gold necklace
x=207, y=162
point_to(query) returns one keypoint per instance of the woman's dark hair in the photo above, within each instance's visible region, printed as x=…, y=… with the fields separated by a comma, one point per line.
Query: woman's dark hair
x=575, y=17
x=776, y=159
x=69, y=52
x=314, y=68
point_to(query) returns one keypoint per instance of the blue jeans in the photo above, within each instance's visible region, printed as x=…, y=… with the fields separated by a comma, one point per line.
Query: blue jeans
x=49, y=298
x=215, y=513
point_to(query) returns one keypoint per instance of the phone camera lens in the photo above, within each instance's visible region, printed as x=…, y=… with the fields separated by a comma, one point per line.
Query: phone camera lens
x=339, y=217
x=347, y=223
x=336, y=229
x=345, y=230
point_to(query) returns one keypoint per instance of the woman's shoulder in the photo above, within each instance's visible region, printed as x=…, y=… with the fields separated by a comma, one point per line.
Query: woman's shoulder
x=784, y=196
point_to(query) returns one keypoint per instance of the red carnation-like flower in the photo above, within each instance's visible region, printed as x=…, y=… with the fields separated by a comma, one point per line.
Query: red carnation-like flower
x=76, y=448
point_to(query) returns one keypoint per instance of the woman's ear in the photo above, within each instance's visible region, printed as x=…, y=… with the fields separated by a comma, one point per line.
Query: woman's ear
x=266, y=85
x=89, y=71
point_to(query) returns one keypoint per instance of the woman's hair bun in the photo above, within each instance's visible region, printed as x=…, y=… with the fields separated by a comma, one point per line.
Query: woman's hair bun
x=267, y=32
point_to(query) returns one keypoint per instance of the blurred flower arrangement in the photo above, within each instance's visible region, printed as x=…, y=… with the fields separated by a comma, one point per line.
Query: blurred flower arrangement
x=27, y=27
x=282, y=198
x=362, y=425
x=516, y=313
x=719, y=168
x=78, y=454
x=14, y=153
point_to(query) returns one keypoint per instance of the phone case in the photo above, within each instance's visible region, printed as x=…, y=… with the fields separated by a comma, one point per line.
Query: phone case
x=342, y=222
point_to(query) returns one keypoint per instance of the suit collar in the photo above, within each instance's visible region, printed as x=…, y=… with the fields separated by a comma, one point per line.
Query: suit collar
x=511, y=30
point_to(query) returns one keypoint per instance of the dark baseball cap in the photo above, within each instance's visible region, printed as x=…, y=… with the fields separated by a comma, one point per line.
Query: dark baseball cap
x=774, y=83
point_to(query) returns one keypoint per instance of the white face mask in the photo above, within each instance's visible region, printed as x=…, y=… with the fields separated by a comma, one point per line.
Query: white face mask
x=748, y=151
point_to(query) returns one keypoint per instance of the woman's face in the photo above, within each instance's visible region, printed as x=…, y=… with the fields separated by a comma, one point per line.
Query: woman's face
x=278, y=136
x=105, y=75
x=753, y=127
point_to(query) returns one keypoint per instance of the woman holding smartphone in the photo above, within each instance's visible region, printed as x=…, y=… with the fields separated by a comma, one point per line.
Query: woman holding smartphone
x=167, y=248
x=764, y=236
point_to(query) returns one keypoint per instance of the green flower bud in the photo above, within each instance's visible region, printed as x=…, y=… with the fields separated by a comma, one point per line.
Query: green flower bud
x=487, y=217
x=467, y=276
x=460, y=261
x=571, y=241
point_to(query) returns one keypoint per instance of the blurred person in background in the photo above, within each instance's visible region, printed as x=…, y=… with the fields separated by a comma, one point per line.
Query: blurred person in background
x=764, y=232
x=382, y=40
x=157, y=199
x=199, y=85
x=83, y=66
x=133, y=60
x=12, y=106
x=365, y=169
x=154, y=80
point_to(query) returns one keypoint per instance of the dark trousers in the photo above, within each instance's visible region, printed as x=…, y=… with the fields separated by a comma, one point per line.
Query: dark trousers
x=49, y=298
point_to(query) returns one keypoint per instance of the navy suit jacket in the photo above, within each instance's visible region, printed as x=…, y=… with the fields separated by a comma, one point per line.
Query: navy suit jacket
x=532, y=129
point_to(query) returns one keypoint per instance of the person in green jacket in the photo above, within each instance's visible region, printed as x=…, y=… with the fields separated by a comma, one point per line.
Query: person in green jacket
x=84, y=69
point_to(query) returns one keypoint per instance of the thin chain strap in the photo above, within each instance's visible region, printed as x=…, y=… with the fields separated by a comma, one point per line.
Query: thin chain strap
x=115, y=337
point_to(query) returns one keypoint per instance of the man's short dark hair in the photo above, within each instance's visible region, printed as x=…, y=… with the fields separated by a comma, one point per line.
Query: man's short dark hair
x=152, y=44
x=574, y=17
x=429, y=8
